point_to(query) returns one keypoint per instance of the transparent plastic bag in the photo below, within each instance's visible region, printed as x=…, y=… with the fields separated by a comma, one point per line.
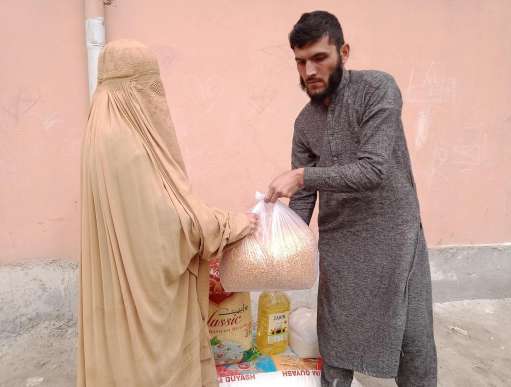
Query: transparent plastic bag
x=281, y=255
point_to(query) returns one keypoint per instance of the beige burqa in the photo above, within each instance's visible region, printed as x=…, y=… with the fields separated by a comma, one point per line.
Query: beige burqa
x=145, y=237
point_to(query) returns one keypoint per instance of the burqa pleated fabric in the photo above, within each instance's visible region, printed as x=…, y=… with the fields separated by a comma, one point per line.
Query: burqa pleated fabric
x=146, y=238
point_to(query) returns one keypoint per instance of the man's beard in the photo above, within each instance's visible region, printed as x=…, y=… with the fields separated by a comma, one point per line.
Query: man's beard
x=333, y=81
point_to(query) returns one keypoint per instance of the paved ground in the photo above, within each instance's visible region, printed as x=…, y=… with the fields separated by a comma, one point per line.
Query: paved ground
x=473, y=340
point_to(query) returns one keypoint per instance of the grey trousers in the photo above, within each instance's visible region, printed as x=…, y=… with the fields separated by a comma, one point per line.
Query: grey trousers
x=414, y=371
x=418, y=362
x=335, y=377
x=411, y=374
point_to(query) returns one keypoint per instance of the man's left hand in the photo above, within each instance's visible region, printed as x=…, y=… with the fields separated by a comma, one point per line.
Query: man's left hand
x=285, y=185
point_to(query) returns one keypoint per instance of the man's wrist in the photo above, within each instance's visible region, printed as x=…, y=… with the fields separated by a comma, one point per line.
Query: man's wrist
x=312, y=178
x=300, y=176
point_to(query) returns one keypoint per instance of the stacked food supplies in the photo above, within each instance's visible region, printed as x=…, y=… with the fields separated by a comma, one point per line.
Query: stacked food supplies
x=276, y=370
x=281, y=255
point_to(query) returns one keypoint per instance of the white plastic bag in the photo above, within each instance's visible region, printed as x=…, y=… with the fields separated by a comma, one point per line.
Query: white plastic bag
x=281, y=255
x=294, y=378
x=280, y=379
x=303, y=335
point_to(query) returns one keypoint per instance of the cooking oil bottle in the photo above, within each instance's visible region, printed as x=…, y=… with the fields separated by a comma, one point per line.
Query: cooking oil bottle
x=272, y=323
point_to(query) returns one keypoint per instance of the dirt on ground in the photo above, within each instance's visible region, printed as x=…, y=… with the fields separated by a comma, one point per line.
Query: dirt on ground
x=473, y=342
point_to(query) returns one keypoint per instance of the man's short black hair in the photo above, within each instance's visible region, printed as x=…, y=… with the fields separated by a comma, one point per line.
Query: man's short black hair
x=312, y=26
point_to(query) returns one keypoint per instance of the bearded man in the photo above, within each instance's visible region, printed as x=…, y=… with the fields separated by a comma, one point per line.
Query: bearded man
x=374, y=298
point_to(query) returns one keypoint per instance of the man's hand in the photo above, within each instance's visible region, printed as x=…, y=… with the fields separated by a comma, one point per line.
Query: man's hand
x=285, y=185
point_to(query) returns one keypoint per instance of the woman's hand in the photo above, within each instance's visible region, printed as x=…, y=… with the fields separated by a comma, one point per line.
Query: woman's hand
x=253, y=220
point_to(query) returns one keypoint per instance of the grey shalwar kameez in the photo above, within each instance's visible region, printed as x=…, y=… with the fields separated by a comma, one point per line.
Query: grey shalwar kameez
x=374, y=301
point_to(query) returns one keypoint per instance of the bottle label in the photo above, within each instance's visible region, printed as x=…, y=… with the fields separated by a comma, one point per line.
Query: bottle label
x=278, y=327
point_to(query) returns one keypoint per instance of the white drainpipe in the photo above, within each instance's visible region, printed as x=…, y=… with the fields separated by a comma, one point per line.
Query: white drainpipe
x=95, y=38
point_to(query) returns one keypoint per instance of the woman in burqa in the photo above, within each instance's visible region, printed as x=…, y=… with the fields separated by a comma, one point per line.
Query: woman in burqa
x=146, y=239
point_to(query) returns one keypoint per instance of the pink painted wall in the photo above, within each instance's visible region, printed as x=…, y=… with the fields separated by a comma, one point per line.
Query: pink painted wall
x=43, y=107
x=233, y=90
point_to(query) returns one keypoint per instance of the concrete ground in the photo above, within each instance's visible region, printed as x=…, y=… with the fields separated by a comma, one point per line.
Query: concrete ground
x=35, y=359
x=473, y=340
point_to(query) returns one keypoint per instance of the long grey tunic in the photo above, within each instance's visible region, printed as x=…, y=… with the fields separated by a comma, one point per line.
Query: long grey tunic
x=371, y=241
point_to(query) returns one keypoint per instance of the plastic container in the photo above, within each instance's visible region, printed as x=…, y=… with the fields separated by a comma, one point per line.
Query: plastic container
x=272, y=323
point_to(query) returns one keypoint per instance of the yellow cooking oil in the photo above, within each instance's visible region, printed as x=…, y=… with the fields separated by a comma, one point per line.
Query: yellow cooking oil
x=272, y=323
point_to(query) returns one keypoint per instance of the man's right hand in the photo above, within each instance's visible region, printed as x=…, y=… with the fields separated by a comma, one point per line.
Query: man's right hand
x=285, y=185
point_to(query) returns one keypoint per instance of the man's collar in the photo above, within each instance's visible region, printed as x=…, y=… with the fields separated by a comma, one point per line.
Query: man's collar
x=345, y=78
